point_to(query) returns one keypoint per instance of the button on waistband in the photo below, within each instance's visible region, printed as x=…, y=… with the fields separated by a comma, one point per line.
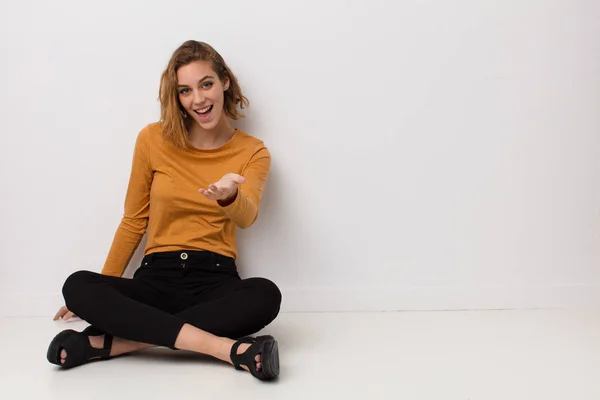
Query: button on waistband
x=184, y=256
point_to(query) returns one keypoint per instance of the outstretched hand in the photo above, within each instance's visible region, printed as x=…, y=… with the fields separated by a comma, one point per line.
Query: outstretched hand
x=225, y=189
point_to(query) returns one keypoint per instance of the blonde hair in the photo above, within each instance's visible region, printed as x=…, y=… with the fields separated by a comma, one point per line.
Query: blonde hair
x=172, y=114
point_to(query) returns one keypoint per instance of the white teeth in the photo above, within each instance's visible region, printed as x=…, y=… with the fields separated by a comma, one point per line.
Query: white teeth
x=202, y=111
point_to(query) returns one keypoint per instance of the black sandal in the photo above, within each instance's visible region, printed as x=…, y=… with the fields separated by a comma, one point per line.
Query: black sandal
x=77, y=345
x=268, y=349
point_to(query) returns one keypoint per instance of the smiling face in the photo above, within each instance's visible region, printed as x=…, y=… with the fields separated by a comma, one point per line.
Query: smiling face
x=201, y=93
x=188, y=85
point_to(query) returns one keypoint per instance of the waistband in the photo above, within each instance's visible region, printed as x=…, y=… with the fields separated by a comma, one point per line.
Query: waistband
x=187, y=256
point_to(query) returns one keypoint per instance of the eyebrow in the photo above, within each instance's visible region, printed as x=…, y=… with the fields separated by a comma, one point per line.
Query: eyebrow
x=206, y=77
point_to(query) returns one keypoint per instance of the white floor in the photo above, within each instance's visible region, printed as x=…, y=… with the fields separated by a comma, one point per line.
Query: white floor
x=505, y=355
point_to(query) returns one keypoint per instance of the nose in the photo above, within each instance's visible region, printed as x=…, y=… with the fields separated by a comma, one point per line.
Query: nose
x=198, y=98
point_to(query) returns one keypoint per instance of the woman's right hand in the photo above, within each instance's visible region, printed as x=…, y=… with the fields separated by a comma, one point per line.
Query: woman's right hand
x=64, y=313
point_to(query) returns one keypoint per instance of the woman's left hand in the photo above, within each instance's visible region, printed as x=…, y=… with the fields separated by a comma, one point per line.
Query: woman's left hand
x=225, y=189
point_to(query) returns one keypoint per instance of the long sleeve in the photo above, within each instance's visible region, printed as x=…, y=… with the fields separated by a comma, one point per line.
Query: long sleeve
x=244, y=209
x=135, y=218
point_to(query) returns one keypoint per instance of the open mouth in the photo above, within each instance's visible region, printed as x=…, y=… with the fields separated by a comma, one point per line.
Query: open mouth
x=204, y=111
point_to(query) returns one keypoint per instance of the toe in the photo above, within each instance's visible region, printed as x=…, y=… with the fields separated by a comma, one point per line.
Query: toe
x=63, y=356
x=257, y=359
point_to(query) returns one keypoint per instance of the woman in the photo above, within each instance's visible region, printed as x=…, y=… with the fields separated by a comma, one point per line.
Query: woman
x=194, y=179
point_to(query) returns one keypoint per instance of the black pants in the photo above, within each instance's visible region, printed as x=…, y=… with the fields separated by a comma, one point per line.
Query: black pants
x=169, y=289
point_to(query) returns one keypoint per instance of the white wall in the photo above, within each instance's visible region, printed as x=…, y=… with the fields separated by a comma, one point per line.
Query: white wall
x=426, y=154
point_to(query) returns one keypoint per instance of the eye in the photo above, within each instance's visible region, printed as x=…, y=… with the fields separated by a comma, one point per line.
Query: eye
x=183, y=91
x=207, y=85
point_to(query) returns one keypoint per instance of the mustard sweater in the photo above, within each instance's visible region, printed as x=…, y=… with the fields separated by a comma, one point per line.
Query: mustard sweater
x=163, y=198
